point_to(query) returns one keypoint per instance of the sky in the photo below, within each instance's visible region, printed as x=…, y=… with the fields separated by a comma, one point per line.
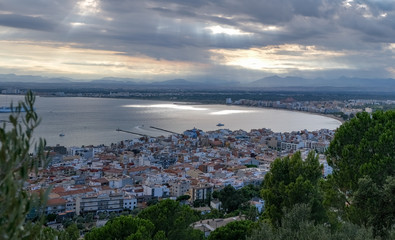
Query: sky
x=198, y=40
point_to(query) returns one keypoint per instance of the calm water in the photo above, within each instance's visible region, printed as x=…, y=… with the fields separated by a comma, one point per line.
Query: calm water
x=86, y=121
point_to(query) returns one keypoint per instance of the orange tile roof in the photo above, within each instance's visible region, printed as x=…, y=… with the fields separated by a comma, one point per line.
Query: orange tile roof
x=56, y=202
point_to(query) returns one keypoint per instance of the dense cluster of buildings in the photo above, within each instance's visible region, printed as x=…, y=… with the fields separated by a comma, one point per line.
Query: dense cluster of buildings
x=347, y=107
x=130, y=173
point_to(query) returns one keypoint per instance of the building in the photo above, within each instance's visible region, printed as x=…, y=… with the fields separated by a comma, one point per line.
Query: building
x=55, y=206
x=209, y=225
x=156, y=191
x=130, y=203
x=215, y=204
x=99, y=203
x=179, y=187
x=201, y=191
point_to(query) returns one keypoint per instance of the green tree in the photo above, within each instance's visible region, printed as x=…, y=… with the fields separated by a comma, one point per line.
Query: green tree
x=173, y=219
x=290, y=181
x=362, y=155
x=230, y=198
x=250, y=191
x=297, y=224
x=373, y=205
x=252, y=213
x=122, y=228
x=16, y=162
x=73, y=232
x=363, y=146
x=183, y=198
x=233, y=230
x=70, y=233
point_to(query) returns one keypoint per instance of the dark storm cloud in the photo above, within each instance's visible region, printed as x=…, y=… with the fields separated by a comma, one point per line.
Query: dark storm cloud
x=180, y=29
x=26, y=22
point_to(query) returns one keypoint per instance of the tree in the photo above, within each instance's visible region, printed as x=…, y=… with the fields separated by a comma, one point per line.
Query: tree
x=183, y=198
x=373, y=205
x=230, y=198
x=290, y=181
x=297, y=224
x=252, y=213
x=122, y=228
x=363, y=146
x=233, y=230
x=16, y=162
x=362, y=155
x=70, y=233
x=250, y=191
x=173, y=219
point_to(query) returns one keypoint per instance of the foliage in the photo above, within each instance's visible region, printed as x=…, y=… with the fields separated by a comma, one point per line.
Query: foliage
x=183, y=198
x=173, y=219
x=233, y=199
x=250, y=191
x=362, y=155
x=251, y=166
x=252, y=214
x=214, y=213
x=297, y=224
x=70, y=233
x=233, y=230
x=123, y=227
x=51, y=217
x=374, y=205
x=363, y=146
x=199, y=203
x=16, y=162
x=230, y=198
x=290, y=181
x=152, y=201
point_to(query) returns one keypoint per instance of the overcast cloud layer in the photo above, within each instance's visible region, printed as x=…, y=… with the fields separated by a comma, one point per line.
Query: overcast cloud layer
x=191, y=39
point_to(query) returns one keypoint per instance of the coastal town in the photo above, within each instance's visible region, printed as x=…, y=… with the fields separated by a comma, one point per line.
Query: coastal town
x=342, y=109
x=334, y=105
x=129, y=174
x=100, y=182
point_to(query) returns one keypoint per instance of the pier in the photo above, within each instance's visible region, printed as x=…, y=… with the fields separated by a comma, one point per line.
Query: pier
x=125, y=131
x=161, y=129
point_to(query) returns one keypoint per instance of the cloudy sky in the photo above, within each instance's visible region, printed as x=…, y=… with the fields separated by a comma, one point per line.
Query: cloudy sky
x=191, y=39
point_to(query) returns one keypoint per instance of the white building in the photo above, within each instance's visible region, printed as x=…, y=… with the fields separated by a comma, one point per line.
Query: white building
x=99, y=203
x=156, y=191
x=179, y=187
x=130, y=203
x=201, y=191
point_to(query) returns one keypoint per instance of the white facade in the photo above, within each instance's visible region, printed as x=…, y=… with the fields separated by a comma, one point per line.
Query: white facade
x=156, y=191
x=115, y=183
x=130, y=203
x=179, y=187
x=99, y=203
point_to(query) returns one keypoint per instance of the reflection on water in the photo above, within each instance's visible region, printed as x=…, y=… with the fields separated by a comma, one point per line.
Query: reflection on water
x=86, y=121
x=228, y=112
x=168, y=106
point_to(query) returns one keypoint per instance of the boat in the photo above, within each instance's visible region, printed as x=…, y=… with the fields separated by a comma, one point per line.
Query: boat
x=4, y=109
x=61, y=134
x=220, y=124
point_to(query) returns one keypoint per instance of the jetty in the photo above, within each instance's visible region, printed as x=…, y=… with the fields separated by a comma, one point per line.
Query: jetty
x=161, y=129
x=125, y=131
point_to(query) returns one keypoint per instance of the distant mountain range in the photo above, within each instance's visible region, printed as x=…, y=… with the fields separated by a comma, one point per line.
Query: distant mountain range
x=269, y=83
x=342, y=82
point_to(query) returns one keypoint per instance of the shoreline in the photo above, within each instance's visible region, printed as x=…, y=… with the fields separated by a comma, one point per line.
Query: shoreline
x=341, y=120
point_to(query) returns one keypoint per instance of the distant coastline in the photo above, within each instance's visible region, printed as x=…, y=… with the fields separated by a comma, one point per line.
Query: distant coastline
x=202, y=103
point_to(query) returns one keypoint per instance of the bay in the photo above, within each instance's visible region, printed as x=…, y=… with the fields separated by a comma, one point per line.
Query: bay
x=93, y=121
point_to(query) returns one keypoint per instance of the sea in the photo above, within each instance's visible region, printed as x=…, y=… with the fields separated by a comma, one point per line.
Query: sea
x=82, y=121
